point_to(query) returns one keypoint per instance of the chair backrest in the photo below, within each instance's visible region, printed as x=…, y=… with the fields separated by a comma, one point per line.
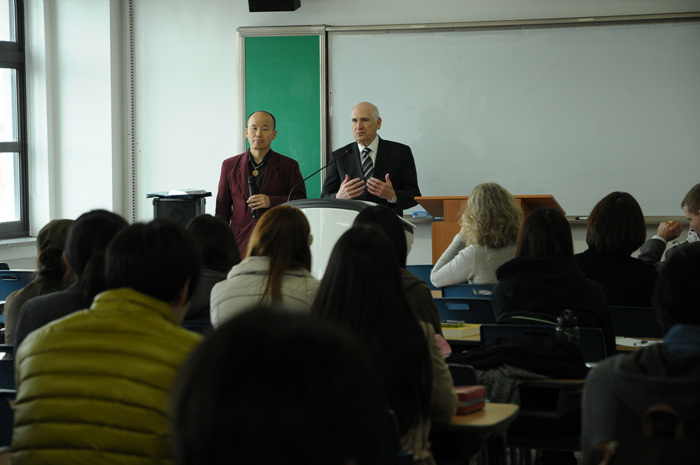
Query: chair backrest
x=464, y=309
x=199, y=325
x=6, y=416
x=423, y=272
x=592, y=340
x=7, y=367
x=472, y=291
x=462, y=375
x=392, y=452
x=12, y=280
x=639, y=322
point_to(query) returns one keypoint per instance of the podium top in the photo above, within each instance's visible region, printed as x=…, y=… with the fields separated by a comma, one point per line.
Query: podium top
x=187, y=194
x=436, y=205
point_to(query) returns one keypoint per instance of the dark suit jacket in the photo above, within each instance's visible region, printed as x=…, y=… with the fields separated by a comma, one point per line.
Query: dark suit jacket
x=392, y=158
x=281, y=174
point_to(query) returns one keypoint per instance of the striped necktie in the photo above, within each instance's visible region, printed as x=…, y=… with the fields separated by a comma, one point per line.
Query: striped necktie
x=367, y=165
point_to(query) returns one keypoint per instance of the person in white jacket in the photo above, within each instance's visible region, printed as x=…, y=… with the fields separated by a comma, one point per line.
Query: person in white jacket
x=490, y=222
x=276, y=268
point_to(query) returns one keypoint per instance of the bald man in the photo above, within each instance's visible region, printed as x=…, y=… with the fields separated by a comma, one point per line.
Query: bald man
x=272, y=176
x=392, y=180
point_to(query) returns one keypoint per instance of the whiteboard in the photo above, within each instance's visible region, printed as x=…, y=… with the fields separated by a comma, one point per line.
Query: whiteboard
x=575, y=112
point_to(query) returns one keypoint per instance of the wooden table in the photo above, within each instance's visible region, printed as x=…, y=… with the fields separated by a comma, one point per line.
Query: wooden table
x=473, y=430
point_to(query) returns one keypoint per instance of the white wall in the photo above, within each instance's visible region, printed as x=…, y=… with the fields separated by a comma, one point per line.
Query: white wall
x=186, y=82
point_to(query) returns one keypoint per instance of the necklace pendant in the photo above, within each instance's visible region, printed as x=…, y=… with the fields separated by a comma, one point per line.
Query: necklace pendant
x=255, y=172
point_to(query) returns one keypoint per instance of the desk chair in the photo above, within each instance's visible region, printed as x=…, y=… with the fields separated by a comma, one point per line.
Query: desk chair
x=392, y=453
x=198, y=325
x=477, y=311
x=550, y=410
x=638, y=322
x=7, y=368
x=423, y=272
x=462, y=375
x=592, y=340
x=472, y=291
x=6, y=416
x=11, y=281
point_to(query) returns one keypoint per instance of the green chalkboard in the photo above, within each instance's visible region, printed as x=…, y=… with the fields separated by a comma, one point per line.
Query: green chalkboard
x=283, y=76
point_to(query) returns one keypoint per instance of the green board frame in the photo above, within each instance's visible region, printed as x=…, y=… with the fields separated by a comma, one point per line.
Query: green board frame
x=283, y=77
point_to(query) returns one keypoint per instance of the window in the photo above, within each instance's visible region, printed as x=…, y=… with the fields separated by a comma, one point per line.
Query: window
x=13, y=146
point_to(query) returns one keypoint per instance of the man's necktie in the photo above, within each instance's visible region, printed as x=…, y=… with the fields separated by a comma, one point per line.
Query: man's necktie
x=367, y=165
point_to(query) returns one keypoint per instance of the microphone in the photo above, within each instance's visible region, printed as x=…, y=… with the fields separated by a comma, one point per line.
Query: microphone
x=252, y=190
x=317, y=171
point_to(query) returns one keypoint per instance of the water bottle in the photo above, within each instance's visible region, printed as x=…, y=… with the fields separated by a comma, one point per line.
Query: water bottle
x=567, y=328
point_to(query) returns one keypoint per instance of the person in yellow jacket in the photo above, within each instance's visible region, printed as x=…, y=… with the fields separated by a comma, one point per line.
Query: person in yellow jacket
x=94, y=386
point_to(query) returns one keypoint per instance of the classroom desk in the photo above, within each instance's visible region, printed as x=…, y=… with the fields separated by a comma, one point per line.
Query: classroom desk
x=473, y=430
x=470, y=342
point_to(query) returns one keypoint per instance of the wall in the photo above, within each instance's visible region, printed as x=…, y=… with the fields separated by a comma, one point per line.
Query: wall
x=185, y=85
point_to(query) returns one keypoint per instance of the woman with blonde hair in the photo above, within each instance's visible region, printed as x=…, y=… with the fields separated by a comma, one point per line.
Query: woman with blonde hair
x=490, y=222
x=277, y=267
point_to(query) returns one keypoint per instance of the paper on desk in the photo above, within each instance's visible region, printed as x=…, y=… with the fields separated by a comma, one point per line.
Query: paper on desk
x=631, y=342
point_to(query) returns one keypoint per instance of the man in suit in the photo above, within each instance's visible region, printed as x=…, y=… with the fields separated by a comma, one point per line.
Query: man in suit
x=257, y=180
x=391, y=179
x=653, y=249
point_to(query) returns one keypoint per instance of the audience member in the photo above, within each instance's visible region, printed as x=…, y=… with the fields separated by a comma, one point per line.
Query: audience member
x=615, y=230
x=490, y=222
x=50, y=275
x=273, y=387
x=219, y=251
x=417, y=291
x=543, y=279
x=85, y=255
x=653, y=249
x=621, y=389
x=93, y=387
x=361, y=290
x=276, y=269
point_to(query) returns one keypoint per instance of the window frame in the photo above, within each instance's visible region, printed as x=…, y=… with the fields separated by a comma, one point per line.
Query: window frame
x=12, y=56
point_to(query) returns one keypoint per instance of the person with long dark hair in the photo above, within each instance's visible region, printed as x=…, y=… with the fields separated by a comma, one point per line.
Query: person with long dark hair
x=615, y=230
x=219, y=250
x=50, y=276
x=361, y=290
x=85, y=255
x=417, y=291
x=543, y=280
x=277, y=267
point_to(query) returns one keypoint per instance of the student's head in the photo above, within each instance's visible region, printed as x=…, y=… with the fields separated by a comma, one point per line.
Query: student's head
x=86, y=246
x=216, y=242
x=691, y=207
x=362, y=276
x=545, y=233
x=491, y=216
x=283, y=235
x=616, y=225
x=50, y=244
x=385, y=220
x=271, y=386
x=157, y=258
x=675, y=297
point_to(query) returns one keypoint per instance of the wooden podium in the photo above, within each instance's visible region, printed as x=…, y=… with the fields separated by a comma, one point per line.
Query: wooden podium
x=450, y=207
